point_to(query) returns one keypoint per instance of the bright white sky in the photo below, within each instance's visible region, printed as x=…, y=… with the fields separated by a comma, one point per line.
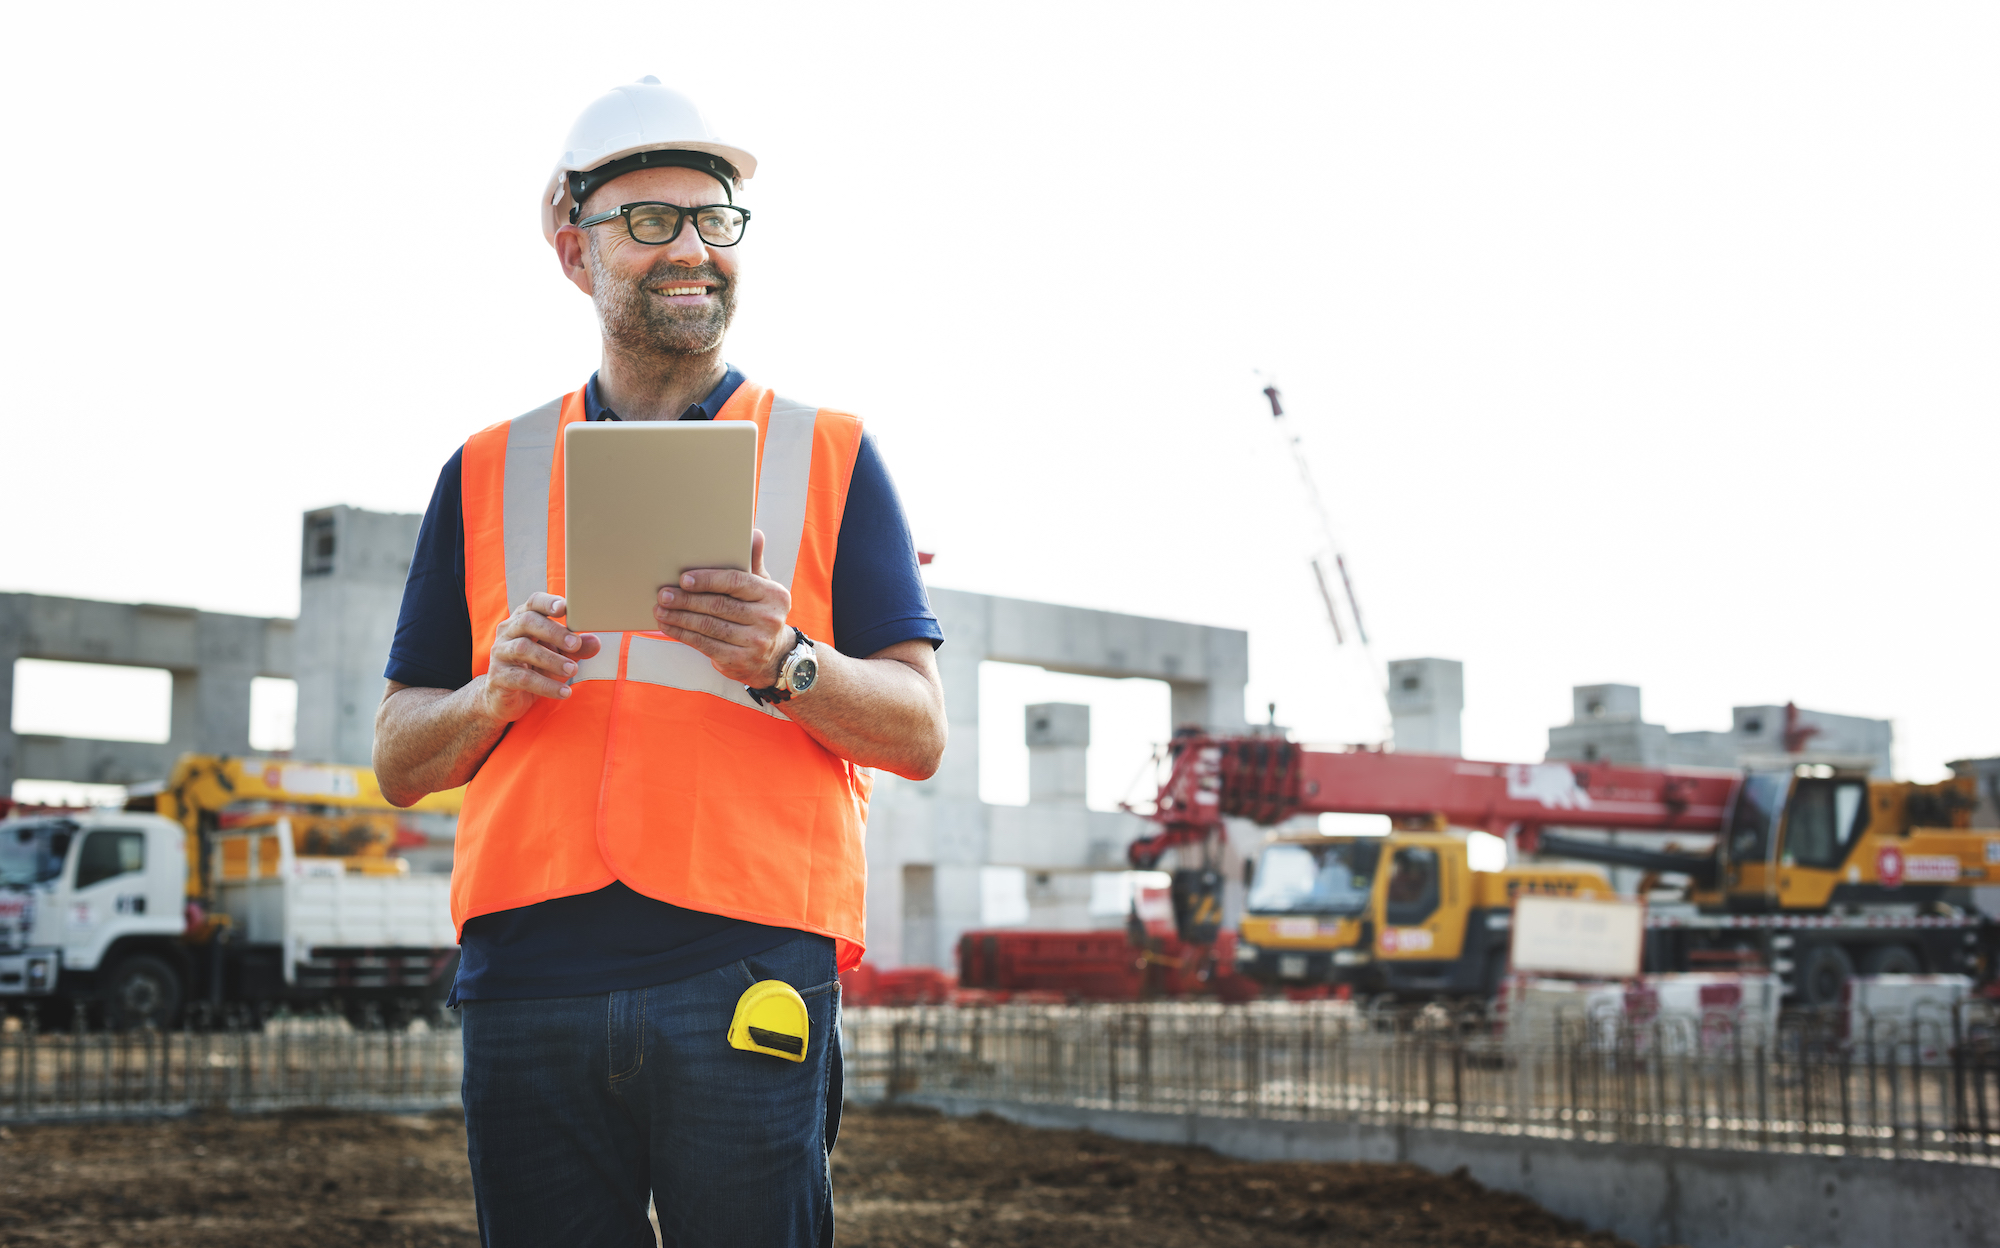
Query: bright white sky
x=1644, y=342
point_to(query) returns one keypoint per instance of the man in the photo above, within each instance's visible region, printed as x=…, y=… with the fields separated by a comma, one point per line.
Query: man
x=657, y=821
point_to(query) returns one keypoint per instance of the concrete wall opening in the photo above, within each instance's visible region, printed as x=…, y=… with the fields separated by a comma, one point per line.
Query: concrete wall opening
x=274, y=714
x=100, y=701
x=1128, y=719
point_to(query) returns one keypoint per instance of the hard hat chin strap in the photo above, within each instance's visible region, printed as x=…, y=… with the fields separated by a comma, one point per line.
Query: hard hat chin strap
x=583, y=182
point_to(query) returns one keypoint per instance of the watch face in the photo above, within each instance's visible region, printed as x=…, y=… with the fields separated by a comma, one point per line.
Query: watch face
x=804, y=673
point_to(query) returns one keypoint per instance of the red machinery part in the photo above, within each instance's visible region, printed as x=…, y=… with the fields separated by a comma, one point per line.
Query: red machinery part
x=1267, y=780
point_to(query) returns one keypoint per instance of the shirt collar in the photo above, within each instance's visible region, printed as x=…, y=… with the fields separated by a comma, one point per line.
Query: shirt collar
x=708, y=409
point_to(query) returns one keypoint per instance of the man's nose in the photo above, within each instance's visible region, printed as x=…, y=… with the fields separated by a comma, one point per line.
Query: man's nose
x=687, y=249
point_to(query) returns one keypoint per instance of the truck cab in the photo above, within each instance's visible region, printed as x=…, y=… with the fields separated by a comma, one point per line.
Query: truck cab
x=92, y=906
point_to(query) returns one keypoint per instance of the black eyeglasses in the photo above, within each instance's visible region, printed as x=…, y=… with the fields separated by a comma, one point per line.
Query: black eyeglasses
x=720, y=225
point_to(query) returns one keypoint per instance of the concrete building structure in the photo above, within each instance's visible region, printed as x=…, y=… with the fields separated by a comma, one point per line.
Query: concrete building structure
x=352, y=567
x=1426, y=705
x=931, y=843
x=351, y=572
x=212, y=658
x=1607, y=725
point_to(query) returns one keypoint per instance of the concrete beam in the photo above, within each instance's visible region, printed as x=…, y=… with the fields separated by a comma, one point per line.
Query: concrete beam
x=1207, y=667
x=84, y=761
x=213, y=657
x=179, y=639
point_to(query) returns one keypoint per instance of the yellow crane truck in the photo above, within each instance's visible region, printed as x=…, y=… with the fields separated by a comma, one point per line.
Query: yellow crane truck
x=1404, y=913
x=1815, y=875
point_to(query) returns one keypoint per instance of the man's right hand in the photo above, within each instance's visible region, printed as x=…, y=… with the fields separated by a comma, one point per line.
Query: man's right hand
x=533, y=657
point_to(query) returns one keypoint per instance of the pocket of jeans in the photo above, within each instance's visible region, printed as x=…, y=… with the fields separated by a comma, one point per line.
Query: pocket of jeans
x=805, y=962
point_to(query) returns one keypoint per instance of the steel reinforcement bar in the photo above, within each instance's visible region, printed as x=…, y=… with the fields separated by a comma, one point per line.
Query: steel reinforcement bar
x=1926, y=1087
x=270, y=1064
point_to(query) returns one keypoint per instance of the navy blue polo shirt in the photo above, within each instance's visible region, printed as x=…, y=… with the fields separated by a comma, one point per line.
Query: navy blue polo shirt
x=616, y=939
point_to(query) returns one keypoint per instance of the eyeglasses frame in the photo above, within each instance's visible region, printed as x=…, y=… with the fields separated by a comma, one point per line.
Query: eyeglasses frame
x=685, y=214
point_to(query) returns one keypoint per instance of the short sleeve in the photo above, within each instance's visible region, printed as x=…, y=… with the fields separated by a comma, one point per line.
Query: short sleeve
x=433, y=645
x=878, y=592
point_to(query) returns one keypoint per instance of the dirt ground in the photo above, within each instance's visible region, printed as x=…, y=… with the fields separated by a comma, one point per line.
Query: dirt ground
x=902, y=1179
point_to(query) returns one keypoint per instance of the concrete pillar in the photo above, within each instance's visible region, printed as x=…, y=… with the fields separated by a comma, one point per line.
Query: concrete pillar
x=353, y=566
x=1058, y=751
x=919, y=917
x=1216, y=703
x=963, y=618
x=958, y=895
x=1426, y=704
x=230, y=651
x=184, y=712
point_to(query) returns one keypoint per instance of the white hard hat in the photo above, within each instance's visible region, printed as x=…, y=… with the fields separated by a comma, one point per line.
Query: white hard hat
x=623, y=125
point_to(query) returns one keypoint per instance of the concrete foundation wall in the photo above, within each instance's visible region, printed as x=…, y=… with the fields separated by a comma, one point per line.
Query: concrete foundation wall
x=1655, y=1197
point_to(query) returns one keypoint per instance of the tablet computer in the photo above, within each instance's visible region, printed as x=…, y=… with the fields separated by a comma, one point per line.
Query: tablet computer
x=643, y=502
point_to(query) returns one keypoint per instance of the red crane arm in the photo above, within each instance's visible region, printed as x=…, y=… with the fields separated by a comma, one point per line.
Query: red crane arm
x=1496, y=795
x=1267, y=781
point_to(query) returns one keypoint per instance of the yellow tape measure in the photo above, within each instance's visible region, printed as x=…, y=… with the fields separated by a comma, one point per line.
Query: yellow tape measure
x=771, y=1018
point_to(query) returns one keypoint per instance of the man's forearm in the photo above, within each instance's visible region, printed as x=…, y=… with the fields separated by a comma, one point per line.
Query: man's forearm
x=429, y=740
x=884, y=711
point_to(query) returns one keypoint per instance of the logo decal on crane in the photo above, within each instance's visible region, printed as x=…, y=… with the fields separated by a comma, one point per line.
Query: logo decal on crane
x=1406, y=939
x=1552, y=784
x=1889, y=866
x=1930, y=868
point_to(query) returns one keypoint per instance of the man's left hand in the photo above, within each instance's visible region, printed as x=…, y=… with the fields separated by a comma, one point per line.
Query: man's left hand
x=735, y=618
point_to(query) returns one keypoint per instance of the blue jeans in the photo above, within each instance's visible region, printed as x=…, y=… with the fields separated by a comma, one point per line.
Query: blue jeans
x=579, y=1108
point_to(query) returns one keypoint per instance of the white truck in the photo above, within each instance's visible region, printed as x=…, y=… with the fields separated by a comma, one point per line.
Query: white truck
x=95, y=910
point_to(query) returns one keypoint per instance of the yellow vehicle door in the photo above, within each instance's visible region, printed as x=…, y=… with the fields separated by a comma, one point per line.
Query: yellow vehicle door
x=1414, y=904
x=1825, y=820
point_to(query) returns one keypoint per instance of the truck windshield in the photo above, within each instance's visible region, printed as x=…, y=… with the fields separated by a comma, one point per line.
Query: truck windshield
x=1314, y=879
x=32, y=853
x=1757, y=808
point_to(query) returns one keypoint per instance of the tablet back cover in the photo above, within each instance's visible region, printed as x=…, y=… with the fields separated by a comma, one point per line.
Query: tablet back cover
x=645, y=501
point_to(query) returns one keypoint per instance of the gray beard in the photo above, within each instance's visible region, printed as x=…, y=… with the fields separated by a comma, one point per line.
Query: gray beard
x=638, y=323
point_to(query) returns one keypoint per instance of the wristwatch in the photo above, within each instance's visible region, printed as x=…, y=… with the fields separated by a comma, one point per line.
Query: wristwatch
x=795, y=675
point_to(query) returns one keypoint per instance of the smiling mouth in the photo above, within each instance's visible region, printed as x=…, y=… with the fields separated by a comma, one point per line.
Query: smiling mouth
x=672, y=292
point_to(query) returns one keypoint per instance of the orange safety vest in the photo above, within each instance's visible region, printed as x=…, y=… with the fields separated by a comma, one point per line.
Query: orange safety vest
x=657, y=770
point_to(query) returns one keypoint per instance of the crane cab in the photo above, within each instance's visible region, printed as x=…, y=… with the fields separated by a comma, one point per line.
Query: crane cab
x=1811, y=838
x=1402, y=913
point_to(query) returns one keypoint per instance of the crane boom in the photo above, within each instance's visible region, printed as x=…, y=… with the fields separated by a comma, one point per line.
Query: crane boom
x=1267, y=780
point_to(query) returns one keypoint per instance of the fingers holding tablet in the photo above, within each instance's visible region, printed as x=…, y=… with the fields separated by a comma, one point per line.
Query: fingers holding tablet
x=533, y=657
x=735, y=618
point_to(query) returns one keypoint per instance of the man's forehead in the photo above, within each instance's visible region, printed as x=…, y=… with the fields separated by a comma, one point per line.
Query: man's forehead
x=689, y=187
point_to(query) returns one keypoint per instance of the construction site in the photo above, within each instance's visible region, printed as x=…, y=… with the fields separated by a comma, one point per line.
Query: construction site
x=1614, y=993
x=1528, y=781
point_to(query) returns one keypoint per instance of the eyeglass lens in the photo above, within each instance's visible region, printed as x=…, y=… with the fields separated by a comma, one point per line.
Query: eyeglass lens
x=718, y=224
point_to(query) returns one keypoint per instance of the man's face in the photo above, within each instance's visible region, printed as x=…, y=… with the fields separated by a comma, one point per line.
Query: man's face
x=674, y=299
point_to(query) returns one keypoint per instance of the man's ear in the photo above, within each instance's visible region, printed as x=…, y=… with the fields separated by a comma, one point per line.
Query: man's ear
x=569, y=253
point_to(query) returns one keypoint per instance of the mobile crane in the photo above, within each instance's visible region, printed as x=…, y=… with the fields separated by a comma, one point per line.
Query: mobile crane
x=1813, y=875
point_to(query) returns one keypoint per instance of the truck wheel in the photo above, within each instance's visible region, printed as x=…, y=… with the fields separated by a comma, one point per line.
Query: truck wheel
x=140, y=991
x=1891, y=960
x=1823, y=973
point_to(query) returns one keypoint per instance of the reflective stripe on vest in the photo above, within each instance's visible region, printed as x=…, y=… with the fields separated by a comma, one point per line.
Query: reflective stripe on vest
x=630, y=778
